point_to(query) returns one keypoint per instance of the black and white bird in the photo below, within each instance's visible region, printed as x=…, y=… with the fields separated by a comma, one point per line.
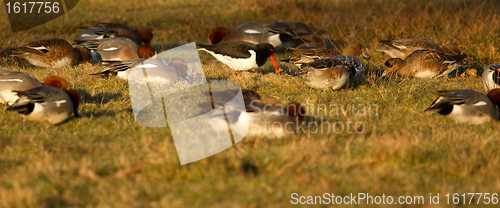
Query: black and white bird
x=241, y=55
x=46, y=104
x=467, y=106
x=491, y=77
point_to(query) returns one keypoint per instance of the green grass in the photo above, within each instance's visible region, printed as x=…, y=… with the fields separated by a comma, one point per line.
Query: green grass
x=104, y=159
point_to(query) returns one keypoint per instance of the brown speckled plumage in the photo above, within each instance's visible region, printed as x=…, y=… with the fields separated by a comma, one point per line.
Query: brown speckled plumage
x=53, y=52
x=424, y=64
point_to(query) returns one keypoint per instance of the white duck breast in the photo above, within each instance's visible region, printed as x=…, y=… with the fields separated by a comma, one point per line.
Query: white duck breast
x=466, y=106
x=261, y=123
x=426, y=74
x=491, y=77
x=44, y=104
x=327, y=74
x=275, y=40
x=14, y=81
x=254, y=119
x=319, y=80
x=66, y=61
x=462, y=114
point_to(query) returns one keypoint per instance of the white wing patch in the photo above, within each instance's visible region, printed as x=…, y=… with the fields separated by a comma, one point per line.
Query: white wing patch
x=110, y=49
x=439, y=99
x=59, y=102
x=400, y=46
x=148, y=66
x=273, y=113
x=39, y=48
x=11, y=80
x=480, y=103
x=449, y=62
x=251, y=31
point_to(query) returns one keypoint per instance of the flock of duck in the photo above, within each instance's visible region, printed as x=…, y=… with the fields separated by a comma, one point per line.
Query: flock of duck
x=245, y=47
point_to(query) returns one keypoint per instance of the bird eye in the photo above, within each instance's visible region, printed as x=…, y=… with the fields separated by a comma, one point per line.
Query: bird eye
x=272, y=49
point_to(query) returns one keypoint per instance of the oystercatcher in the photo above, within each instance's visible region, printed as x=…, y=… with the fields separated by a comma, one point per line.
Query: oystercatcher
x=241, y=55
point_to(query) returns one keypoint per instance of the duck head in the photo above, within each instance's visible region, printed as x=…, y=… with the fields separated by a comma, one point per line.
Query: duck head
x=57, y=82
x=146, y=51
x=217, y=35
x=355, y=49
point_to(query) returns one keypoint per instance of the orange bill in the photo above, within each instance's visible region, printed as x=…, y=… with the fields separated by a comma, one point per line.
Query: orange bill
x=274, y=64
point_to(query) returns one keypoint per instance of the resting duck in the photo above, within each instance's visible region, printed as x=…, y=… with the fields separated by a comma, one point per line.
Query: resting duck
x=424, y=64
x=467, y=106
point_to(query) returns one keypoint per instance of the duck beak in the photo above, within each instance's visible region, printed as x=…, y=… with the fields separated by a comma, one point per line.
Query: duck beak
x=274, y=63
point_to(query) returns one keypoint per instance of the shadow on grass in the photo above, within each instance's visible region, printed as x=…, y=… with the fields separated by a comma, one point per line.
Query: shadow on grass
x=9, y=164
x=98, y=114
x=55, y=201
x=98, y=99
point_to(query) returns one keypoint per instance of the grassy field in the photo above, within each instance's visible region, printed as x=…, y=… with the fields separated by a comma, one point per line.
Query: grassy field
x=104, y=159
